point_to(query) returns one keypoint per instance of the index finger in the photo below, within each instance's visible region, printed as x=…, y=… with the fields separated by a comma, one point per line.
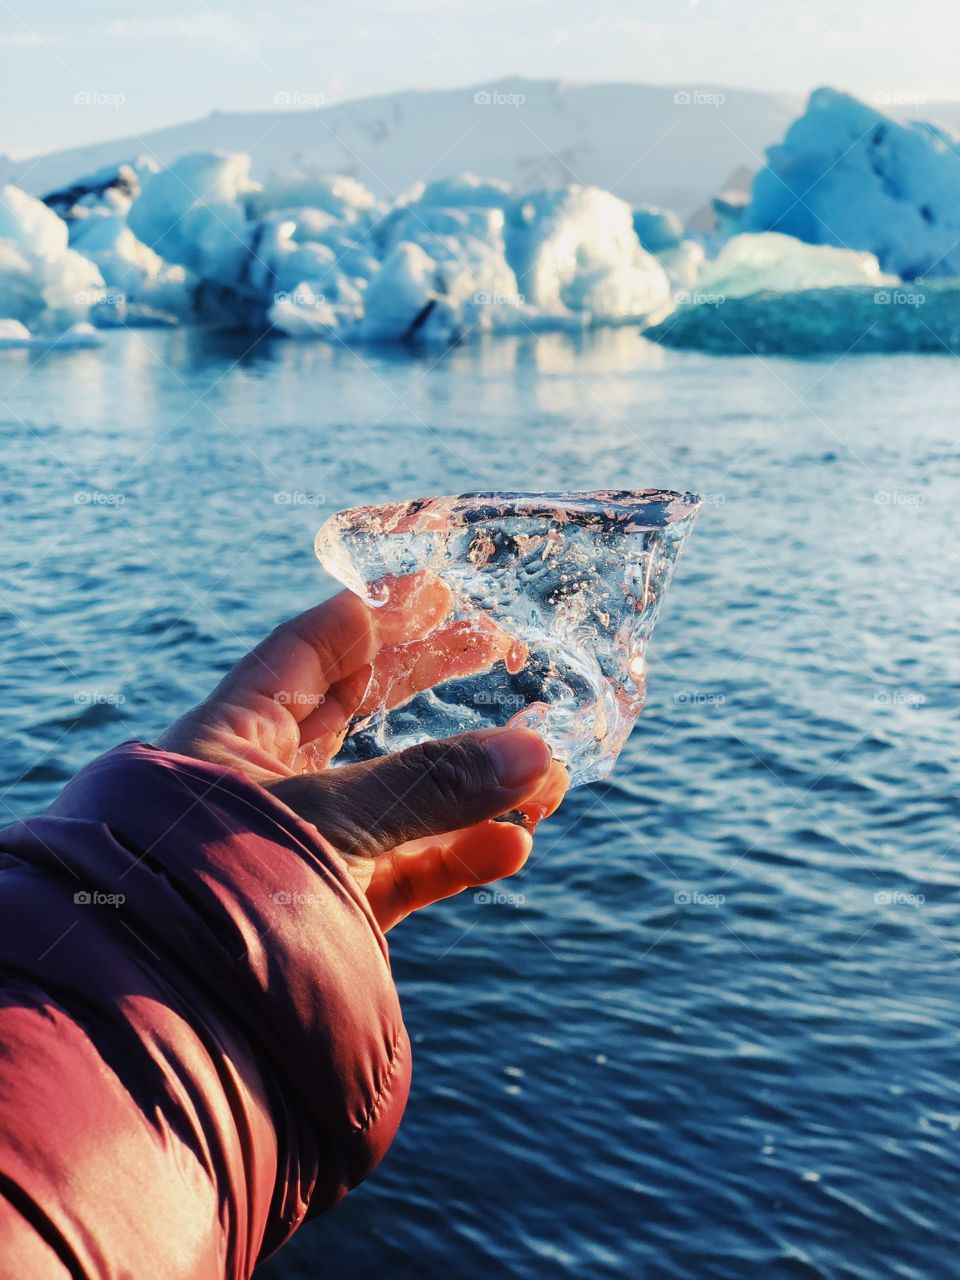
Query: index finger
x=298, y=662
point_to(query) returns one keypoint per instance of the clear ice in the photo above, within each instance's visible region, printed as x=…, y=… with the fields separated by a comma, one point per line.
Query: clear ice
x=576, y=580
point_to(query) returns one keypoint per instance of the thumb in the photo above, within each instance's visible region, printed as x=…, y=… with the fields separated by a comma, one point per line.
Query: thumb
x=434, y=787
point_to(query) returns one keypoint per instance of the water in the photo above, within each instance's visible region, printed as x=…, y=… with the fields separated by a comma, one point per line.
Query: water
x=701, y=1046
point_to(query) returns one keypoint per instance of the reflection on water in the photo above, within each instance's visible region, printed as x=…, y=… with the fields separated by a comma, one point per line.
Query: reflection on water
x=719, y=1036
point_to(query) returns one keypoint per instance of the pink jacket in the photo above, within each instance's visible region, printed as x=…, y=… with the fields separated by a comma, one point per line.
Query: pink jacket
x=200, y=1041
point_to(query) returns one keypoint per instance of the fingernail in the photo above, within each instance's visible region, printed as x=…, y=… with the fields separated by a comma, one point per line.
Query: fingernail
x=518, y=756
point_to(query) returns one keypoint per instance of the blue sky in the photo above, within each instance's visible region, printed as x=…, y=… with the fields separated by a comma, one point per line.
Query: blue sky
x=146, y=64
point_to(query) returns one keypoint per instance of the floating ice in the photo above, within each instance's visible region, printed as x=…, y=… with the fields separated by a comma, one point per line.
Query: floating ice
x=461, y=257
x=192, y=213
x=43, y=284
x=657, y=229
x=138, y=281
x=815, y=322
x=319, y=255
x=774, y=263
x=340, y=197
x=109, y=190
x=847, y=175
x=14, y=334
x=574, y=580
x=575, y=250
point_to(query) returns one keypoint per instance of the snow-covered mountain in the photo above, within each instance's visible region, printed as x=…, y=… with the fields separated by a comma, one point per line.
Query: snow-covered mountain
x=673, y=145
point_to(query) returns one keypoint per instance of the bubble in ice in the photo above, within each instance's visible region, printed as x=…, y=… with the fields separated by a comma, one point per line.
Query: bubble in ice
x=559, y=591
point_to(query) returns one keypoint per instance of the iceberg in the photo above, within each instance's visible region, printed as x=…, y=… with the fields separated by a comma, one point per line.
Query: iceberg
x=820, y=322
x=109, y=190
x=191, y=213
x=466, y=256
x=768, y=293
x=319, y=255
x=847, y=175
x=576, y=250
x=340, y=197
x=138, y=281
x=560, y=592
x=657, y=229
x=683, y=265
x=14, y=335
x=44, y=284
x=774, y=263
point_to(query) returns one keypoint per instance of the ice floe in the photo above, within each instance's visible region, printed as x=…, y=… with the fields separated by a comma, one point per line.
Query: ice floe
x=848, y=212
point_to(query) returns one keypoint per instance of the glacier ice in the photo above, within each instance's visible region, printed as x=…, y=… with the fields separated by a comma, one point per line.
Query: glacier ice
x=108, y=190
x=44, y=284
x=775, y=263
x=464, y=256
x=575, y=250
x=849, y=201
x=138, y=281
x=569, y=584
x=847, y=175
x=657, y=229
x=820, y=322
x=191, y=213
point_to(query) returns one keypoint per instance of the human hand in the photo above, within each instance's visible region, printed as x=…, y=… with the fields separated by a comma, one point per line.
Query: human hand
x=416, y=826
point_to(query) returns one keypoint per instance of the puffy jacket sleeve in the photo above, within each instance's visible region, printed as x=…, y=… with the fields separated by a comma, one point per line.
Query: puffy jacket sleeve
x=200, y=1040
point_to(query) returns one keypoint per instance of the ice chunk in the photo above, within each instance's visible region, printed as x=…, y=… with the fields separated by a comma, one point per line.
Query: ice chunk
x=466, y=192
x=573, y=583
x=29, y=224
x=43, y=284
x=109, y=190
x=138, y=280
x=13, y=334
x=576, y=250
x=657, y=229
x=814, y=322
x=341, y=197
x=401, y=294
x=728, y=208
x=782, y=264
x=847, y=175
x=684, y=264
x=191, y=213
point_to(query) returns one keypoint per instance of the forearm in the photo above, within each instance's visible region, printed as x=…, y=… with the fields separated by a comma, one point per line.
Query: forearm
x=203, y=1053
